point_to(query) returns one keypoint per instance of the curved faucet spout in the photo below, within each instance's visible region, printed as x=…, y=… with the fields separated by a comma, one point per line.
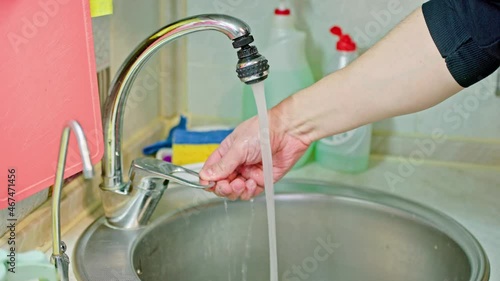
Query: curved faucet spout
x=59, y=258
x=130, y=204
x=115, y=105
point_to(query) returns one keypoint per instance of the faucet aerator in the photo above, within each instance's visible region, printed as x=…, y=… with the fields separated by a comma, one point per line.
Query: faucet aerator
x=252, y=67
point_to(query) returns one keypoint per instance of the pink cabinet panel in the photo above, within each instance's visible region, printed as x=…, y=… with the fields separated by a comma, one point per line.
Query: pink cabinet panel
x=47, y=77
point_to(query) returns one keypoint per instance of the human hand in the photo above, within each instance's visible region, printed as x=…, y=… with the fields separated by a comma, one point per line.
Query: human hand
x=236, y=166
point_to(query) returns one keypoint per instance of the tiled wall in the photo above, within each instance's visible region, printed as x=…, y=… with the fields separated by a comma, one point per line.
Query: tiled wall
x=213, y=88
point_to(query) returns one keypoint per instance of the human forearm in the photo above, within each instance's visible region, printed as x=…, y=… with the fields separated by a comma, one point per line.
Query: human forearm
x=401, y=74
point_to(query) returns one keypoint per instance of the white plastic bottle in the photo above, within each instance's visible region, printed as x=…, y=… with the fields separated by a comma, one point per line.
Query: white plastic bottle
x=289, y=69
x=349, y=151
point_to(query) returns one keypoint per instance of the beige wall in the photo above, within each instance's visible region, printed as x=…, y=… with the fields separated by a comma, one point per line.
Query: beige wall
x=131, y=22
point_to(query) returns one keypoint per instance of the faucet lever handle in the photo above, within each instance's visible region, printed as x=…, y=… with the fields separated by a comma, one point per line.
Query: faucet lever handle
x=143, y=168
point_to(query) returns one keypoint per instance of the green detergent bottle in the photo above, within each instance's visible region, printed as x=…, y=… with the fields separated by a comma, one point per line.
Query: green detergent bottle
x=289, y=72
x=349, y=151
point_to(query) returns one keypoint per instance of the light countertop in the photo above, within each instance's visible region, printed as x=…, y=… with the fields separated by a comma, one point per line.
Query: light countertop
x=470, y=195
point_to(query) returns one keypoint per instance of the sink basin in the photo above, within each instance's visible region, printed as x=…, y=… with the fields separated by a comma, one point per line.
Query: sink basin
x=325, y=232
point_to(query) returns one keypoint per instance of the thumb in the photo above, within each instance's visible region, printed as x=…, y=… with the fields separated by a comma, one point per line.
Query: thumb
x=224, y=167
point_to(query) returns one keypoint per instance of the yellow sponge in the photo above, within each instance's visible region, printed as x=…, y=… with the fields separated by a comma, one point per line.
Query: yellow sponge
x=183, y=154
x=101, y=7
x=195, y=146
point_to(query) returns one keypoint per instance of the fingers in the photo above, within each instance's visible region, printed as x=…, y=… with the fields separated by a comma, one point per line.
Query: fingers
x=253, y=190
x=212, y=159
x=249, y=191
x=216, y=155
x=223, y=167
x=253, y=172
x=230, y=189
x=258, y=191
x=238, y=185
x=238, y=188
x=223, y=188
x=245, y=183
x=230, y=178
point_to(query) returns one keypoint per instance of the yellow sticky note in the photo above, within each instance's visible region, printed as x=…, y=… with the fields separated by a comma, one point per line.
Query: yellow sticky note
x=101, y=7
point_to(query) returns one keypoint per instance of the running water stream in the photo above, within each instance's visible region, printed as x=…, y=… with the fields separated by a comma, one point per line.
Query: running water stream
x=267, y=161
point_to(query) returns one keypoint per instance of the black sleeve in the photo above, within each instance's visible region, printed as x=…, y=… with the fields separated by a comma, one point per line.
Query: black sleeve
x=467, y=34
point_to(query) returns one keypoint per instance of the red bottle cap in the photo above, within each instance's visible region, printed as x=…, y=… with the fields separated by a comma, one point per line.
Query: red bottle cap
x=282, y=12
x=345, y=42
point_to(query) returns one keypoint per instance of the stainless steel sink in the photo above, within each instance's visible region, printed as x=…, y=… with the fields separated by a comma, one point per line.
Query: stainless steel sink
x=325, y=232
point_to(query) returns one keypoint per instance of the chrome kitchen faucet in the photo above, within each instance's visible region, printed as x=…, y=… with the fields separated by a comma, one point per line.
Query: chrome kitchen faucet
x=130, y=204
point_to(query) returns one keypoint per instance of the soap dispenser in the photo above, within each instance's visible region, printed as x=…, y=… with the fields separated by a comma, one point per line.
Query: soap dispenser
x=290, y=71
x=349, y=151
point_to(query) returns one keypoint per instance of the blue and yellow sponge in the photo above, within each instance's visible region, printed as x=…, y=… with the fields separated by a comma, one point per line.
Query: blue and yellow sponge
x=190, y=147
